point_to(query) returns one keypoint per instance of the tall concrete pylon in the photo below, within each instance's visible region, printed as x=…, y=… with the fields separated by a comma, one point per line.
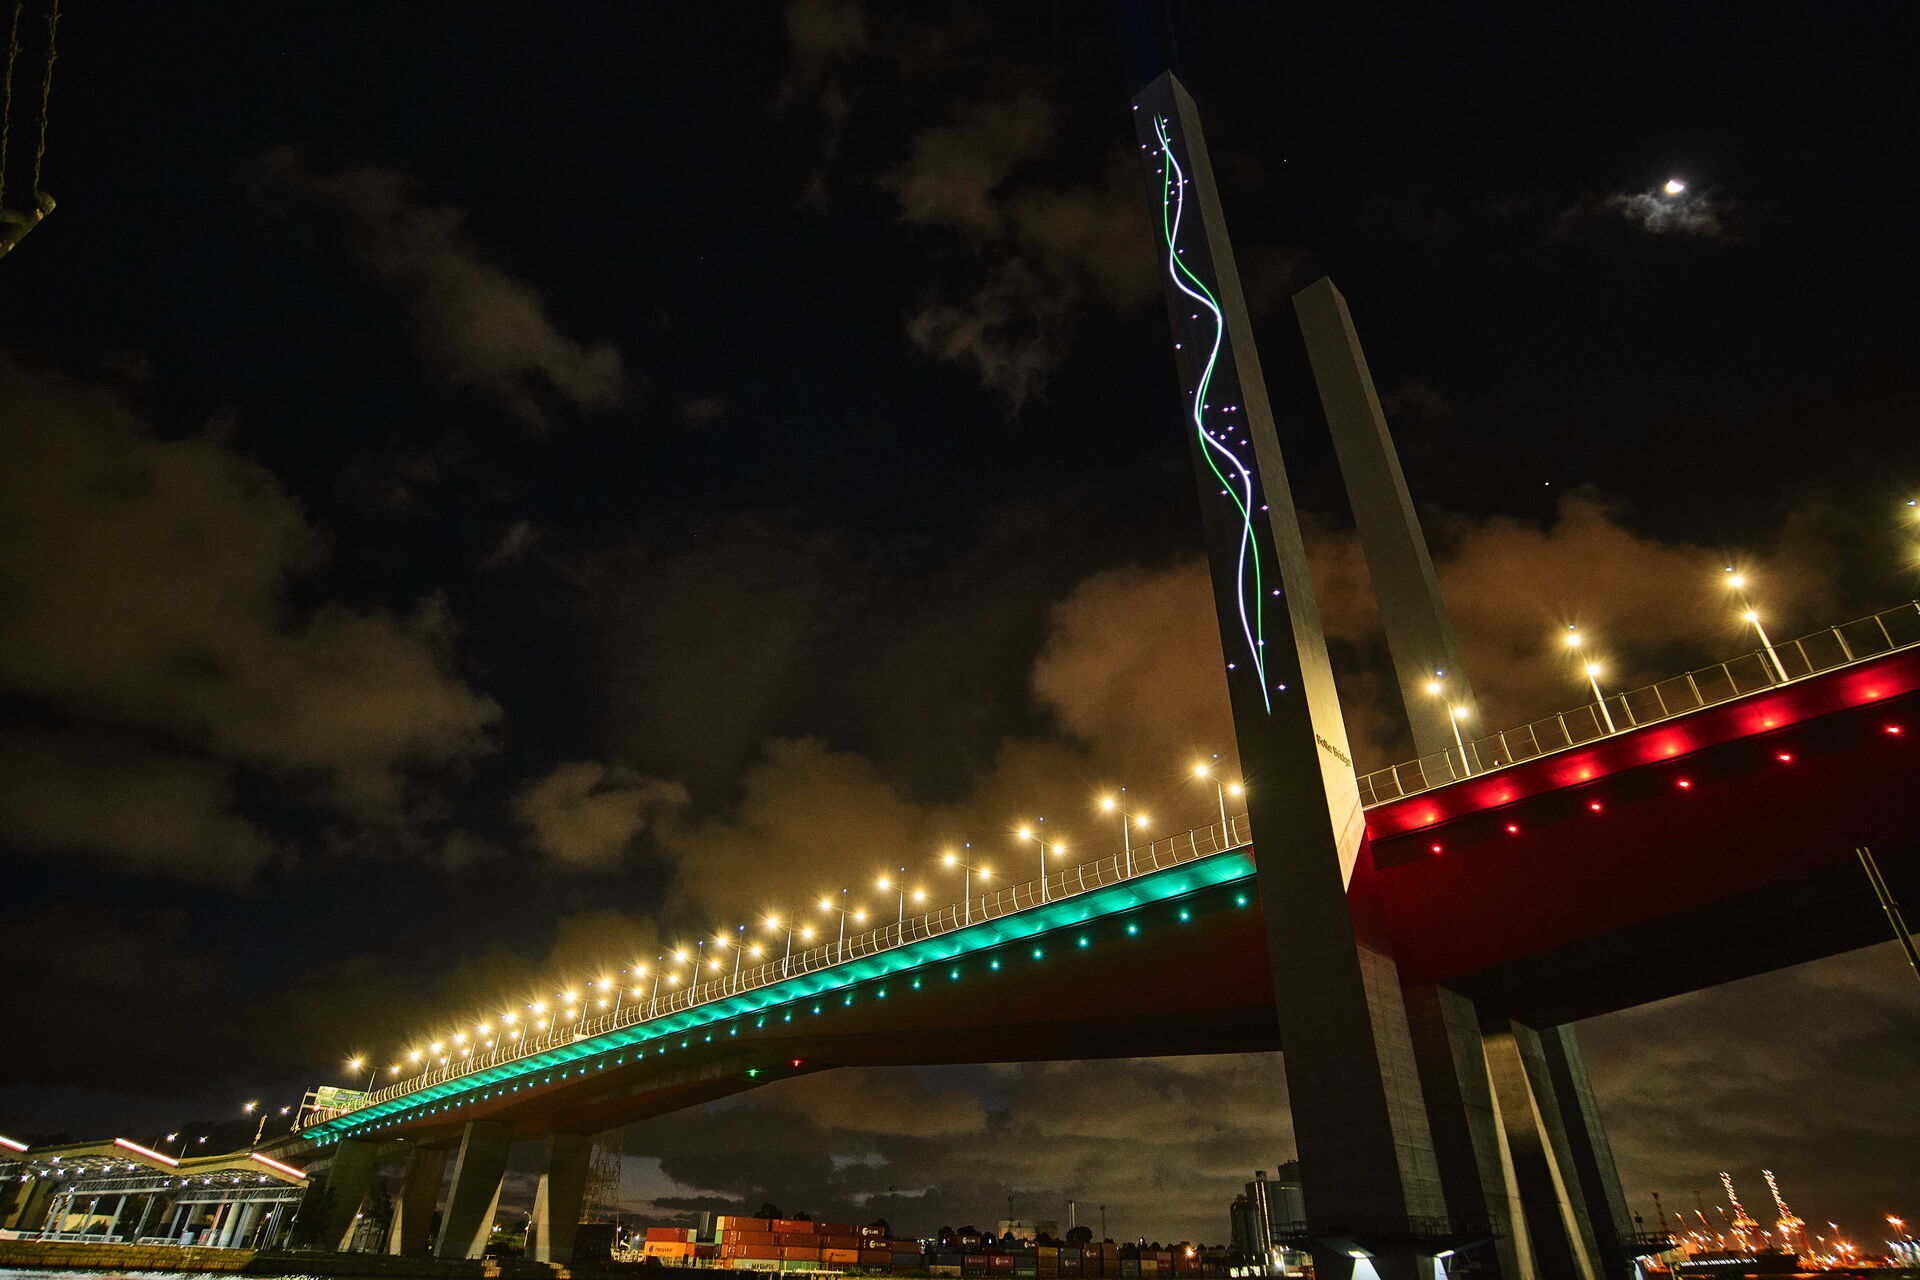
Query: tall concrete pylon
x=1371, y=1183
x=1419, y=631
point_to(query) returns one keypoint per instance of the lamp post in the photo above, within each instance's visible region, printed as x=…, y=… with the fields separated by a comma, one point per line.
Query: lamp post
x=805, y=931
x=1737, y=582
x=250, y=1108
x=1029, y=833
x=1455, y=714
x=888, y=882
x=1114, y=804
x=1592, y=669
x=358, y=1062
x=1223, y=790
x=859, y=915
x=952, y=859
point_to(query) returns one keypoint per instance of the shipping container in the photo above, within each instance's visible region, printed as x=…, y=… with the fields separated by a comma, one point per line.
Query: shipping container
x=837, y=1241
x=840, y=1255
x=731, y=1236
x=945, y=1269
x=790, y=1225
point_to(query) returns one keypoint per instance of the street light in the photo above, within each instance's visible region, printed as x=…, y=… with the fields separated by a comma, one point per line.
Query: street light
x=1113, y=804
x=805, y=931
x=358, y=1062
x=952, y=859
x=250, y=1108
x=887, y=882
x=1223, y=789
x=1455, y=714
x=1737, y=581
x=1028, y=833
x=1574, y=640
x=859, y=915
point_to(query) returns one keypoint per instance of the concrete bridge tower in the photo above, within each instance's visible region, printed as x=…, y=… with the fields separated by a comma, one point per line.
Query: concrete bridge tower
x=1418, y=1117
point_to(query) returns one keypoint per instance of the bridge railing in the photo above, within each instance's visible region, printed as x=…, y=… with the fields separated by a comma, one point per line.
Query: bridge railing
x=1068, y=882
x=1764, y=668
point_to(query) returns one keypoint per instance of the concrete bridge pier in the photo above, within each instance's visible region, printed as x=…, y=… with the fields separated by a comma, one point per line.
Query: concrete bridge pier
x=557, y=1202
x=349, y=1178
x=419, y=1197
x=1518, y=1139
x=475, y=1193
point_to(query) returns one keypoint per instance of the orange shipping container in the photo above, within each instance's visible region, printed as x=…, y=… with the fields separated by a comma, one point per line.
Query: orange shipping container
x=840, y=1255
x=790, y=1225
x=795, y=1253
x=836, y=1228
x=838, y=1242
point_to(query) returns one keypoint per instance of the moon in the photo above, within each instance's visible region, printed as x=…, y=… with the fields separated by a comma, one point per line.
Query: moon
x=1674, y=187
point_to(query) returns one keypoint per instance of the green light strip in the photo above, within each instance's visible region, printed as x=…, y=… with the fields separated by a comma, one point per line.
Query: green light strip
x=1159, y=886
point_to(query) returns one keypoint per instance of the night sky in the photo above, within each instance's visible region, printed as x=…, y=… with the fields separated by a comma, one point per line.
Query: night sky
x=486, y=491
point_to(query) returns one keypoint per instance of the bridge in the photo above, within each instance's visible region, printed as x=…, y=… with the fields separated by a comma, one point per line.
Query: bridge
x=1418, y=939
x=1555, y=872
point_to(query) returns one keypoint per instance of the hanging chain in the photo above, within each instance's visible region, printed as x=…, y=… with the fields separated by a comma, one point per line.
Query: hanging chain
x=46, y=90
x=6, y=111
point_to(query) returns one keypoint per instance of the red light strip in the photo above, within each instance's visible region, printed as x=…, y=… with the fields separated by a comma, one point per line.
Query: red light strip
x=10, y=1144
x=148, y=1152
x=271, y=1163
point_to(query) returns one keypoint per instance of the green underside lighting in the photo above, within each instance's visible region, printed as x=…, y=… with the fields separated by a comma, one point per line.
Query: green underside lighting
x=1160, y=886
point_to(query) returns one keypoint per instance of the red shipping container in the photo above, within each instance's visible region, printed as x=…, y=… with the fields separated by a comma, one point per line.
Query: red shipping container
x=836, y=1228
x=1000, y=1261
x=838, y=1242
x=791, y=1225
x=796, y=1253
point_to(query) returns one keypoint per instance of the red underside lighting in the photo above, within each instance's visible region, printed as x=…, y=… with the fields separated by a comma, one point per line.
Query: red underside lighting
x=1785, y=757
x=1892, y=728
x=1684, y=783
x=1594, y=805
x=796, y=1062
x=1513, y=828
x=1437, y=849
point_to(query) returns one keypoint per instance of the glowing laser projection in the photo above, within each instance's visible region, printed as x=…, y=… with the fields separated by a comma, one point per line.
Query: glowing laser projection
x=1216, y=445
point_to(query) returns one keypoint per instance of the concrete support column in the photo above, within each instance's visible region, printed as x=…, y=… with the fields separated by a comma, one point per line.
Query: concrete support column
x=475, y=1192
x=1562, y=1241
x=419, y=1196
x=1596, y=1174
x=1469, y=1137
x=146, y=1214
x=556, y=1204
x=113, y=1222
x=230, y=1223
x=349, y=1178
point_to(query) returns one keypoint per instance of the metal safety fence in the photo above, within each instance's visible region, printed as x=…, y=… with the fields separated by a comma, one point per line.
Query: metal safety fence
x=1765, y=668
x=509, y=1044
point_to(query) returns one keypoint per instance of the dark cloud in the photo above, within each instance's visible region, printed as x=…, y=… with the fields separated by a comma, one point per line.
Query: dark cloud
x=96, y=794
x=478, y=325
x=1038, y=241
x=585, y=814
x=148, y=583
x=1804, y=1072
